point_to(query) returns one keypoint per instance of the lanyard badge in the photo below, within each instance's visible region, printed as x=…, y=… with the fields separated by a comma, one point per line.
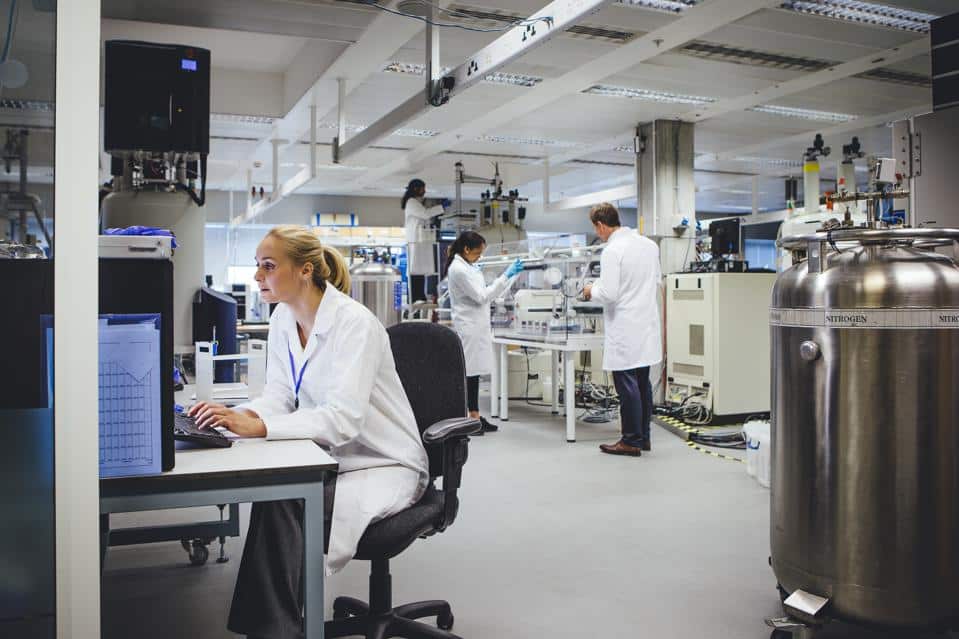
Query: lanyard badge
x=297, y=379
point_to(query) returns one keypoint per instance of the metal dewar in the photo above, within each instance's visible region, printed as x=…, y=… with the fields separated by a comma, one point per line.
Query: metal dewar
x=374, y=286
x=865, y=428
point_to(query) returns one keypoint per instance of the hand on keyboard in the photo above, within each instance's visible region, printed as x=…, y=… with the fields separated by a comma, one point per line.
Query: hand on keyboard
x=186, y=429
x=244, y=424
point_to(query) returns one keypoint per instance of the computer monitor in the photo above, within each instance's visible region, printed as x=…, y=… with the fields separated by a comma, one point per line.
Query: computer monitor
x=725, y=237
x=126, y=286
x=213, y=309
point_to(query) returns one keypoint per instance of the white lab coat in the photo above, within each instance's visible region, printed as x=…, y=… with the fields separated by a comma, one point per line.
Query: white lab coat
x=628, y=288
x=419, y=240
x=353, y=404
x=470, y=298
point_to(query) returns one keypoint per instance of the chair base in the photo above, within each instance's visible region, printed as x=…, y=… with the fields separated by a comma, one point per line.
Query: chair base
x=352, y=617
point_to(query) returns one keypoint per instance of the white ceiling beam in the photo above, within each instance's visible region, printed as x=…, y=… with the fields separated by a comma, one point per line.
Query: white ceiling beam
x=804, y=138
x=588, y=199
x=385, y=35
x=805, y=82
x=694, y=23
x=540, y=27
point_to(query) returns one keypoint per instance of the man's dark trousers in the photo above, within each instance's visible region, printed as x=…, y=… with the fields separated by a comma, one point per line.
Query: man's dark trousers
x=635, y=404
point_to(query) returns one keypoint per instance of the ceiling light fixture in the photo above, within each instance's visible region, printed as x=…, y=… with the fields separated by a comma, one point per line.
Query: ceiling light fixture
x=671, y=6
x=516, y=79
x=416, y=133
x=779, y=162
x=242, y=119
x=506, y=139
x=803, y=114
x=864, y=12
x=647, y=95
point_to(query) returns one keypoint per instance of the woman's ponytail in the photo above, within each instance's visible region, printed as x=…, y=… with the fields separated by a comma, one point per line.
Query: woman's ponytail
x=302, y=245
x=466, y=240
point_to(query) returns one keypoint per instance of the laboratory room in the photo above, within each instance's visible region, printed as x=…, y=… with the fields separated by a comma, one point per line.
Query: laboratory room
x=486, y=319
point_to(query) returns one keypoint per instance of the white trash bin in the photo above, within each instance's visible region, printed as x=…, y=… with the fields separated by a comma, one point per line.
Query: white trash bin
x=758, y=457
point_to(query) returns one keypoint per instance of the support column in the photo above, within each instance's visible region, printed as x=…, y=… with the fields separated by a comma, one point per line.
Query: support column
x=340, y=110
x=666, y=189
x=76, y=442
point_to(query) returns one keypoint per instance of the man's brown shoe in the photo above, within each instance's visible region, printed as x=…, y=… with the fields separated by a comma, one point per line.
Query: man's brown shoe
x=621, y=448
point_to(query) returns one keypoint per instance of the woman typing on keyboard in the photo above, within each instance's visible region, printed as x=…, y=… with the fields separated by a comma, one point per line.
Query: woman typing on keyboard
x=330, y=378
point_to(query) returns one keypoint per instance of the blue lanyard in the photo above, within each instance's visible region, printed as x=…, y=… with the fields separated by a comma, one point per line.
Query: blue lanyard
x=297, y=380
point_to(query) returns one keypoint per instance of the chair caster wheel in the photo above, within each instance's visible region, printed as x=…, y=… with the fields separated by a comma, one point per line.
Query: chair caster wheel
x=339, y=613
x=196, y=551
x=445, y=622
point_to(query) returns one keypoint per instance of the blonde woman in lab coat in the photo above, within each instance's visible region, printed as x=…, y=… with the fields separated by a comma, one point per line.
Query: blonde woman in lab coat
x=419, y=240
x=470, y=298
x=331, y=378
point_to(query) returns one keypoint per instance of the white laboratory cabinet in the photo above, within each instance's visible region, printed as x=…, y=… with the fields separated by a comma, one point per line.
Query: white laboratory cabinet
x=717, y=340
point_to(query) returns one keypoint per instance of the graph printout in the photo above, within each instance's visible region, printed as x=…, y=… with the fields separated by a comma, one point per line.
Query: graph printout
x=130, y=410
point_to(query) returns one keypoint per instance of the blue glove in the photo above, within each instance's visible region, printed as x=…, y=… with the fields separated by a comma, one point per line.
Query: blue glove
x=445, y=203
x=143, y=230
x=515, y=268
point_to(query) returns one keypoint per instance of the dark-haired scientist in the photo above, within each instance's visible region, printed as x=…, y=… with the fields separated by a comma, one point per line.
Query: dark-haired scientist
x=470, y=298
x=419, y=240
x=628, y=289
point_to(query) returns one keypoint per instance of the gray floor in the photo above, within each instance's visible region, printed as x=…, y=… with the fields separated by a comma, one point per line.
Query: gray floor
x=552, y=540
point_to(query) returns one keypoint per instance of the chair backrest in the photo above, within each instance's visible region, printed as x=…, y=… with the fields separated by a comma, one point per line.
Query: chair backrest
x=429, y=360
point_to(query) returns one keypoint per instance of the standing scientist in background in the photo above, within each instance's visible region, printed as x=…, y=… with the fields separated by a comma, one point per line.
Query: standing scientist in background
x=628, y=289
x=331, y=378
x=470, y=298
x=420, y=241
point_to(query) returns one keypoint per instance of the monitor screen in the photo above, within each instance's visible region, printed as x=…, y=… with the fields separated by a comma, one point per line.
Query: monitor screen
x=725, y=237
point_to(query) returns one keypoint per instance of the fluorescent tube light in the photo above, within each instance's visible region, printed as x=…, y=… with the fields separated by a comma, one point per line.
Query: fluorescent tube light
x=647, y=95
x=672, y=6
x=804, y=114
x=865, y=13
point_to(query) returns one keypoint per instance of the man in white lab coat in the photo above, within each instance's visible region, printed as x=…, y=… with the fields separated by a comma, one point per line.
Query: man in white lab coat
x=628, y=289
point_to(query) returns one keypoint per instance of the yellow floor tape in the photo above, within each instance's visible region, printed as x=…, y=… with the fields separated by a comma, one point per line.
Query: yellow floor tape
x=695, y=430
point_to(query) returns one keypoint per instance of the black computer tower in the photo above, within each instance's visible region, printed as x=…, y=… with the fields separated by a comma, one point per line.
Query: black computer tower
x=127, y=286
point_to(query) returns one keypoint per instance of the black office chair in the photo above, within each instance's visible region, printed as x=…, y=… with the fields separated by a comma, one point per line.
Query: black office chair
x=429, y=360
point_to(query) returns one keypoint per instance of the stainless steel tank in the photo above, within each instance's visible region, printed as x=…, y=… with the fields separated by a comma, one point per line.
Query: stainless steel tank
x=378, y=287
x=865, y=426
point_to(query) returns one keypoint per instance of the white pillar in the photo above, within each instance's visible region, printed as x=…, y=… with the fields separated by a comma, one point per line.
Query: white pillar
x=76, y=430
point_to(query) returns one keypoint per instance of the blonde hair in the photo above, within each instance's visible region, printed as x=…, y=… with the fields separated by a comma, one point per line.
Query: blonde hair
x=302, y=246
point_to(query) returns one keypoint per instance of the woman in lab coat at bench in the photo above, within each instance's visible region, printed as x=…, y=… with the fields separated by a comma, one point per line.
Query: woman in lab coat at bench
x=470, y=298
x=331, y=378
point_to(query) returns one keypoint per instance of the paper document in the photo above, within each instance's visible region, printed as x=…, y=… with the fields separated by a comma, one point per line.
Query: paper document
x=130, y=382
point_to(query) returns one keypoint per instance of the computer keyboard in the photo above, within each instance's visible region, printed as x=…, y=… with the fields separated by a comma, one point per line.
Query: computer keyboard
x=185, y=429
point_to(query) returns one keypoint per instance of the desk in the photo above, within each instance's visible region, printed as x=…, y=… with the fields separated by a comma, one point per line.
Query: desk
x=257, y=330
x=252, y=470
x=499, y=382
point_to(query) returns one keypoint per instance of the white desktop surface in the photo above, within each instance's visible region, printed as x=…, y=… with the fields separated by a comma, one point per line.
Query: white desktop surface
x=251, y=456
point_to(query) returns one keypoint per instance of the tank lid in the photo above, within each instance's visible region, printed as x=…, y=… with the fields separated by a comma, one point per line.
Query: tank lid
x=870, y=235
x=373, y=268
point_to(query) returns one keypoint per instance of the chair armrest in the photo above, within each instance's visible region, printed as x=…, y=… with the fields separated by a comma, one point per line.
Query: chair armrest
x=455, y=427
x=452, y=437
